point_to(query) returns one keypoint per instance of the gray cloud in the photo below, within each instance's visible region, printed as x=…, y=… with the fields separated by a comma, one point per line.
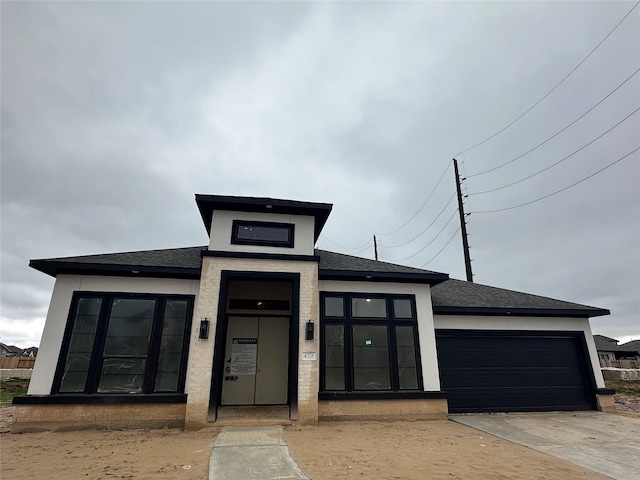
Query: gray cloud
x=115, y=114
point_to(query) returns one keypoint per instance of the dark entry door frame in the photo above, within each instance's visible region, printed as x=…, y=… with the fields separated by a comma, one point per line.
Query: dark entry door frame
x=222, y=325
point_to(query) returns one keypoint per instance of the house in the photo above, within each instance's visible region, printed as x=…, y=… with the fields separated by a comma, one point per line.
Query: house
x=608, y=349
x=7, y=350
x=12, y=357
x=30, y=352
x=633, y=346
x=259, y=321
x=10, y=350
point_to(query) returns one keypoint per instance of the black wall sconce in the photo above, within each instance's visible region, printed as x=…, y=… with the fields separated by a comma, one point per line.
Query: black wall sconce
x=308, y=335
x=204, y=329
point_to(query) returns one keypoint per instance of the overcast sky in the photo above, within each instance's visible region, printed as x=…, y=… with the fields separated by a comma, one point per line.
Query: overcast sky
x=115, y=114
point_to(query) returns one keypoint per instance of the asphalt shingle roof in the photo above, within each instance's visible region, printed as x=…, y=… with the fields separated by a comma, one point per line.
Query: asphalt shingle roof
x=606, y=344
x=173, y=261
x=457, y=296
x=632, y=345
x=340, y=261
x=449, y=296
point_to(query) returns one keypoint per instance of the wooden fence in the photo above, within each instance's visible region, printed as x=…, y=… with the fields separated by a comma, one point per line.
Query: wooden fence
x=620, y=363
x=17, y=362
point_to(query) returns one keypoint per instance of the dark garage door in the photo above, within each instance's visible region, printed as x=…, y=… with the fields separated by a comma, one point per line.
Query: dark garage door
x=513, y=371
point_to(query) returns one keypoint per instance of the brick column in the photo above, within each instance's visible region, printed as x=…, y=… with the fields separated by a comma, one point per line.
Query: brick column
x=308, y=370
x=201, y=351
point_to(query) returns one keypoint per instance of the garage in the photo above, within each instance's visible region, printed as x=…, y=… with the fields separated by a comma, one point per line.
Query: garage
x=514, y=371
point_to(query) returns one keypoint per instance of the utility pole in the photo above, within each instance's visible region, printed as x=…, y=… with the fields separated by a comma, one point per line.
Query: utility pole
x=375, y=247
x=463, y=225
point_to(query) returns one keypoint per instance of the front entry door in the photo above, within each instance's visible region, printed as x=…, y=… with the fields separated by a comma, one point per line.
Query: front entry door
x=256, y=370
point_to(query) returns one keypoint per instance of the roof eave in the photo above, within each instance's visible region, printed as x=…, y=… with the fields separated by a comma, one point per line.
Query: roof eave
x=55, y=268
x=372, y=276
x=521, y=312
x=208, y=203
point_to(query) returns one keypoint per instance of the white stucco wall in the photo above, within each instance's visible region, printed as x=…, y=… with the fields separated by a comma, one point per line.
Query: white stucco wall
x=222, y=225
x=470, y=322
x=45, y=367
x=426, y=334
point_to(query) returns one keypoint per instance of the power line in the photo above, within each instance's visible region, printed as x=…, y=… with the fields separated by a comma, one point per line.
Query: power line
x=441, y=250
x=421, y=207
x=559, y=132
x=423, y=231
x=556, y=86
x=346, y=248
x=562, y=189
x=432, y=240
x=559, y=161
x=361, y=250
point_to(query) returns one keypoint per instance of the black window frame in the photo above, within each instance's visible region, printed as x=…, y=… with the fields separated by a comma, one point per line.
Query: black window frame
x=97, y=354
x=348, y=321
x=289, y=227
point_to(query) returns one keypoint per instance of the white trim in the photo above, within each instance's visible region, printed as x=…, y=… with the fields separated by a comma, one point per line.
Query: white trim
x=470, y=322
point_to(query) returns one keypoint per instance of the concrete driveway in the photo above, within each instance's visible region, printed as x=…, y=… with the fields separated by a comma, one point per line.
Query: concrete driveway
x=605, y=443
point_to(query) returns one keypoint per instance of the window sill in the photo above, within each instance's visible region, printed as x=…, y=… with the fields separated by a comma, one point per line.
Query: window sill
x=67, y=399
x=386, y=395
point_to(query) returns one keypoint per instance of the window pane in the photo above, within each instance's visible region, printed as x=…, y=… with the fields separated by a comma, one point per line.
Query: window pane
x=263, y=233
x=76, y=366
x=371, y=358
x=170, y=357
x=129, y=327
x=334, y=307
x=369, y=307
x=407, y=371
x=167, y=381
x=334, y=357
x=402, y=308
x=122, y=375
x=128, y=334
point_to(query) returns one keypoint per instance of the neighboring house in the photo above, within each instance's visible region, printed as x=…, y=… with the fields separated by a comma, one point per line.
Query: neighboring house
x=10, y=350
x=259, y=317
x=608, y=349
x=30, y=352
x=16, y=357
x=633, y=346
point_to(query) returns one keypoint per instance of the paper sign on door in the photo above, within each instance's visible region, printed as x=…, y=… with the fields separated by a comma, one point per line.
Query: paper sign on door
x=243, y=356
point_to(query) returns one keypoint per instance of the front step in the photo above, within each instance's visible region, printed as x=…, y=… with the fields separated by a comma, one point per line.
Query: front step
x=246, y=415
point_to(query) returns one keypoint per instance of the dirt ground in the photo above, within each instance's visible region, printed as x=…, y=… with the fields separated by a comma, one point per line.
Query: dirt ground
x=419, y=450
x=137, y=454
x=331, y=450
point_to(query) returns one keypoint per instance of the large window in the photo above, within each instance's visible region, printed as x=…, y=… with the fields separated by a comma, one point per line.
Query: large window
x=262, y=233
x=369, y=343
x=125, y=344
